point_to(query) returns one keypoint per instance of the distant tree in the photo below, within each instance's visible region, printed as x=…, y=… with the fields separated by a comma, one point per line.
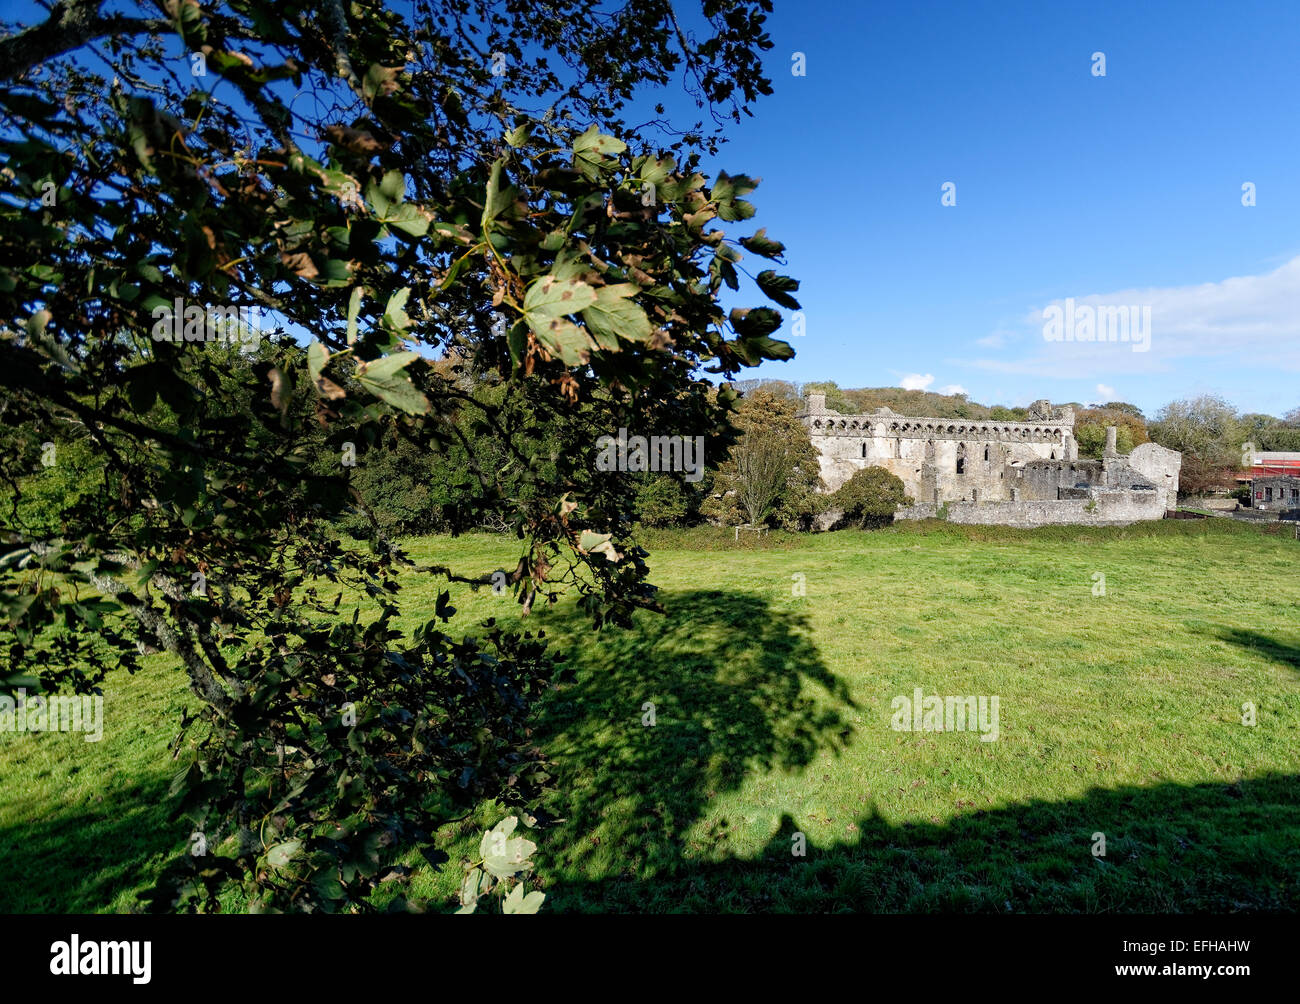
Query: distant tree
x=662, y=500
x=1280, y=437
x=1209, y=434
x=1125, y=408
x=836, y=399
x=780, y=388
x=772, y=472
x=1268, y=432
x=1090, y=429
x=870, y=497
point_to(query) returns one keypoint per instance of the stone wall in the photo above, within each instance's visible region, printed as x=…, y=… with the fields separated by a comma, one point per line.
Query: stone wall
x=1043, y=480
x=1160, y=467
x=1100, y=507
x=979, y=463
x=937, y=457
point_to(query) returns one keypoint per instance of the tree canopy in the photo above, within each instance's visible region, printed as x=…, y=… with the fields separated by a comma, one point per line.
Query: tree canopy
x=419, y=201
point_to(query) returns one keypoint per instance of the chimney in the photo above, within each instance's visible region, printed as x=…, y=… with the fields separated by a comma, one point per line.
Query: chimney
x=816, y=404
x=1111, y=433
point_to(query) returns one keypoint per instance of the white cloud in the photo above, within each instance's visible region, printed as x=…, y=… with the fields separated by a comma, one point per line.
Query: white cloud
x=998, y=339
x=1252, y=318
x=1107, y=392
x=914, y=381
x=953, y=388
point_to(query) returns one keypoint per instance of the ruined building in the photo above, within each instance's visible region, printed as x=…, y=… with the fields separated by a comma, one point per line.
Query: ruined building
x=986, y=471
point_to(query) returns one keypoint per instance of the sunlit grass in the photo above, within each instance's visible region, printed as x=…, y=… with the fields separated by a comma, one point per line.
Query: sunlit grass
x=1119, y=713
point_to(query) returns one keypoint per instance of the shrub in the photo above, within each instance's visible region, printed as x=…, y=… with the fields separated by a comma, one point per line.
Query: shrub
x=664, y=501
x=870, y=497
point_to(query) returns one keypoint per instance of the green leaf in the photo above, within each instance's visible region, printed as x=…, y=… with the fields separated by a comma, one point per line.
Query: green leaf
x=593, y=152
x=500, y=193
x=335, y=272
x=545, y=305
x=725, y=192
x=383, y=378
x=754, y=350
x=328, y=885
x=395, y=316
x=614, y=316
x=469, y=889
x=408, y=218
x=551, y=297
x=317, y=357
x=354, y=308
x=503, y=857
x=517, y=339
x=565, y=339
x=517, y=902
x=772, y=348
x=778, y=287
x=756, y=322
x=393, y=186
x=596, y=143
x=400, y=394
x=281, y=854
x=598, y=543
x=386, y=367
x=762, y=245
x=655, y=171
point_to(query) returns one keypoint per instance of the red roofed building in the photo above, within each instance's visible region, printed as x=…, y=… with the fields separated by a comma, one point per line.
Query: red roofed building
x=1268, y=464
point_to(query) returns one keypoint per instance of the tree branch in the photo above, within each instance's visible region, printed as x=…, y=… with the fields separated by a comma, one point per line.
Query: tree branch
x=71, y=24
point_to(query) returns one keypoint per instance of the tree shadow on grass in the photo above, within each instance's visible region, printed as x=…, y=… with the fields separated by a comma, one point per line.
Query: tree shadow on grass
x=1285, y=652
x=81, y=861
x=738, y=689
x=1205, y=848
x=732, y=685
x=735, y=686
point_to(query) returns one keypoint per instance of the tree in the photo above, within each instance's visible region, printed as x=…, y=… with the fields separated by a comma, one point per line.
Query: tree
x=664, y=501
x=1269, y=433
x=1125, y=408
x=1090, y=426
x=440, y=199
x=870, y=497
x=1209, y=434
x=772, y=473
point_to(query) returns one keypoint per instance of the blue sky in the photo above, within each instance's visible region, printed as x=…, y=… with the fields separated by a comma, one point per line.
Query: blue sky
x=1122, y=189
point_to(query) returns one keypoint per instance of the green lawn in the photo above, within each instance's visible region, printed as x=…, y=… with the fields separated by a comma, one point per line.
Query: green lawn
x=1118, y=714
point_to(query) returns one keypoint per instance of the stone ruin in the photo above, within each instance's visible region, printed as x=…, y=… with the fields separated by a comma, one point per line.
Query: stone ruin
x=993, y=471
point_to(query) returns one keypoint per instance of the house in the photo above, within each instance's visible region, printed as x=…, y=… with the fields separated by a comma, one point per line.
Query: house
x=1275, y=493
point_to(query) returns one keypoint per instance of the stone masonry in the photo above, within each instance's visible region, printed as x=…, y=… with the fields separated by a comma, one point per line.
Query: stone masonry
x=1021, y=473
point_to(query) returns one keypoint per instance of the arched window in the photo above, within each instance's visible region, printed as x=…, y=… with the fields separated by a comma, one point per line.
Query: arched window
x=864, y=451
x=986, y=453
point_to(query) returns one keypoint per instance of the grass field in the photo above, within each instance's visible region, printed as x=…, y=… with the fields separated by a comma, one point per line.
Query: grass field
x=1119, y=714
